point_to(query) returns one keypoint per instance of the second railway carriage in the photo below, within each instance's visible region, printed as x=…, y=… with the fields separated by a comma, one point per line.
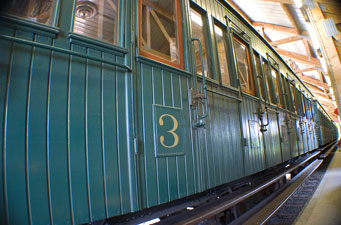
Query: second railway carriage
x=110, y=106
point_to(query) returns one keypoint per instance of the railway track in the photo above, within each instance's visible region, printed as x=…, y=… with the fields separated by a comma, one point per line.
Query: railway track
x=273, y=198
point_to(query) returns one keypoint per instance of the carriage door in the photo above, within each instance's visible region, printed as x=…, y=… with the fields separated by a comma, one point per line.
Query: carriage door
x=165, y=154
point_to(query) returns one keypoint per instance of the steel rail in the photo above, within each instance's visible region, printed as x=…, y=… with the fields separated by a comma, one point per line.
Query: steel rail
x=196, y=216
x=61, y=50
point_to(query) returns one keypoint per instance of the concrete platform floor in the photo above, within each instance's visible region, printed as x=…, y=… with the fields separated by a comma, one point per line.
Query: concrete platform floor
x=324, y=208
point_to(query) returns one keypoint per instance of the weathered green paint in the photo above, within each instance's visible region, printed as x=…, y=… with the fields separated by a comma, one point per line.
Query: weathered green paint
x=69, y=122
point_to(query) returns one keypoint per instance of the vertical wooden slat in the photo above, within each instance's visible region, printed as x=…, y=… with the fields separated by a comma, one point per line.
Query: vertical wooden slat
x=123, y=149
x=148, y=148
x=16, y=134
x=159, y=98
x=94, y=133
x=169, y=101
x=109, y=139
x=58, y=136
x=77, y=144
x=103, y=150
x=36, y=134
x=47, y=129
x=5, y=81
x=86, y=141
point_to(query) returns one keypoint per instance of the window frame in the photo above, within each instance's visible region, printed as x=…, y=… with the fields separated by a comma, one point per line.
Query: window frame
x=141, y=52
x=259, y=77
x=247, y=45
x=277, y=96
x=225, y=38
x=211, y=73
x=34, y=24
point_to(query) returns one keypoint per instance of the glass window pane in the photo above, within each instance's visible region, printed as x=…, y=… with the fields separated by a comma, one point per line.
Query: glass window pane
x=293, y=94
x=258, y=74
x=243, y=64
x=40, y=11
x=274, y=75
x=97, y=19
x=159, y=29
x=197, y=24
x=223, y=65
x=267, y=78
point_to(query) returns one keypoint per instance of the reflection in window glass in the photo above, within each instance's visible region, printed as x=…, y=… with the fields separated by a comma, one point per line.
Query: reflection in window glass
x=159, y=28
x=258, y=74
x=244, y=72
x=274, y=75
x=293, y=94
x=285, y=92
x=197, y=25
x=267, y=79
x=97, y=19
x=40, y=11
x=223, y=66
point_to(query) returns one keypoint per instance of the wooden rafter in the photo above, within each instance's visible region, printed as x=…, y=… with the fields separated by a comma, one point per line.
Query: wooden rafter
x=332, y=57
x=239, y=10
x=308, y=69
x=162, y=28
x=284, y=29
x=316, y=90
x=307, y=49
x=299, y=57
x=279, y=1
x=314, y=82
x=159, y=10
x=286, y=40
x=290, y=17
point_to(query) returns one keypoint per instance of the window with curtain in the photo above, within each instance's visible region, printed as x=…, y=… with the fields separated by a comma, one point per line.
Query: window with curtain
x=40, y=11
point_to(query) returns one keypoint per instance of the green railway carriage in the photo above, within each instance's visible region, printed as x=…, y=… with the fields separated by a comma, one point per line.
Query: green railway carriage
x=110, y=106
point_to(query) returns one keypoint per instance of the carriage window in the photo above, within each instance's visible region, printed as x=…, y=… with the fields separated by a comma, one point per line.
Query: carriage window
x=291, y=98
x=259, y=74
x=243, y=64
x=40, y=11
x=198, y=31
x=97, y=19
x=267, y=79
x=160, y=31
x=274, y=76
x=294, y=98
x=285, y=92
x=221, y=47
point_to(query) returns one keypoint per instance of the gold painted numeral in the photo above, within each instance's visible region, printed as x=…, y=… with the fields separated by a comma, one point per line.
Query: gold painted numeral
x=176, y=137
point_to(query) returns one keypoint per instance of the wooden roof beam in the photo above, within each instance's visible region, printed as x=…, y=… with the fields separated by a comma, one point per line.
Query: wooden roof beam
x=286, y=40
x=317, y=91
x=308, y=69
x=239, y=10
x=307, y=49
x=299, y=57
x=314, y=82
x=290, y=17
x=279, y=28
x=279, y=1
